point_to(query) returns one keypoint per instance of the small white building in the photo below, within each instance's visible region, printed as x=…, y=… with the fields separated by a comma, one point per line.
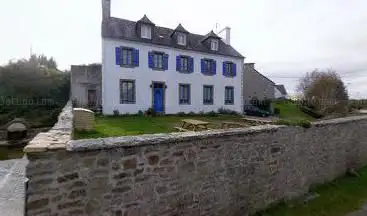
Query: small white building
x=170, y=70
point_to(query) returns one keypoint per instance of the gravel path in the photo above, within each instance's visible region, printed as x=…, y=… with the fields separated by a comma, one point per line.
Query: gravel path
x=12, y=177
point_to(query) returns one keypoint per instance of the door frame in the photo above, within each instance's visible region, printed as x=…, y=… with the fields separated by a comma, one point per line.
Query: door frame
x=164, y=94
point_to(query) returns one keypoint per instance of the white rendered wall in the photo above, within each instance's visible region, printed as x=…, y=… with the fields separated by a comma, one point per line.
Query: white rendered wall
x=144, y=76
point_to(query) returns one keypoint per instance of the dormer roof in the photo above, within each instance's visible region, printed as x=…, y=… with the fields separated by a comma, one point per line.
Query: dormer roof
x=211, y=34
x=146, y=20
x=181, y=29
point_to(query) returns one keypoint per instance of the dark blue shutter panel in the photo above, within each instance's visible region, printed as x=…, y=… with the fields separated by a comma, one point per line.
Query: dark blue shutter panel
x=165, y=61
x=202, y=66
x=234, y=69
x=214, y=67
x=136, y=57
x=178, y=59
x=191, y=64
x=224, y=68
x=118, y=55
x=150, y=59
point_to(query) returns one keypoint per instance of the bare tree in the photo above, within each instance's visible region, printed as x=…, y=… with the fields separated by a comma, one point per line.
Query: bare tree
x=324, y=91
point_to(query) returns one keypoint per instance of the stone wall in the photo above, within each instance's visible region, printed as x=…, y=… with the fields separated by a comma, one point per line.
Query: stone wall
x=226, y=172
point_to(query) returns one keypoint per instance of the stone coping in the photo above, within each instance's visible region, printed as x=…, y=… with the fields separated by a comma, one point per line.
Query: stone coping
x=339, y=120
x=154, y=139
x=57, y=137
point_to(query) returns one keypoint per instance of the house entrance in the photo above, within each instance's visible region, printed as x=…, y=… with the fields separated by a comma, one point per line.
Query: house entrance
x=158, y=96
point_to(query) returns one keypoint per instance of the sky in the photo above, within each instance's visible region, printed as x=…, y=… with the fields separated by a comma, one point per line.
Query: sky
x=285, y=38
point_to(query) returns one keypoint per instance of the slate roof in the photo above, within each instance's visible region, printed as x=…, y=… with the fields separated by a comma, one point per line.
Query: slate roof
x=117, y=28
x=180, y=28
x=282, y=89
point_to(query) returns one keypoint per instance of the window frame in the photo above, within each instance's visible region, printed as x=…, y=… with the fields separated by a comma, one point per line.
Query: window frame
x=229, y=68
x=181, y=101
x=210, y=102
x=128, y=64
x=122, y=94
x=155, y=57
x=183, y=37
x=146, y=32
x=181, y=66
x=226, y=100
x=214, y=45
x=208, y=66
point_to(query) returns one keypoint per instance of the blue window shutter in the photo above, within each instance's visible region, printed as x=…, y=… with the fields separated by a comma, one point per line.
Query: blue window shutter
x=150, y=59
x=118, y=55
x=191, y=64
x=178, y=59
x=214, y=67
x=224, y=68
x=136, y=57
x=234, y=69
x=165, y=61
x=203, y=66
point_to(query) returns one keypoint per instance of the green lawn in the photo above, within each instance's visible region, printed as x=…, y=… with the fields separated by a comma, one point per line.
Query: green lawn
x=107, y=126
x=290, y=111
x=338, y=198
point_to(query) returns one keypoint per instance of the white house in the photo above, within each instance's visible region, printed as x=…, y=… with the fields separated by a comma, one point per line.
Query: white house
x=171, y=70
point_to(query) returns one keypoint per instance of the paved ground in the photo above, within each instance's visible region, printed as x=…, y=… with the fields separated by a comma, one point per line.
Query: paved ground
x=12, y=177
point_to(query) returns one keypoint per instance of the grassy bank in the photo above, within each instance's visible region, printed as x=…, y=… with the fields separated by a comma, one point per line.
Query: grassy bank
x=338, y=198
x=290, y=111
x=107, y=126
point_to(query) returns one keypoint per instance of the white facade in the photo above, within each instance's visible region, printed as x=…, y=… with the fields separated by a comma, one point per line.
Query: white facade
x=145, y=76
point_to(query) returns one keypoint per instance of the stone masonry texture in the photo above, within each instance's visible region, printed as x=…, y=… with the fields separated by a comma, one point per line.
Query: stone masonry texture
x=224, y=172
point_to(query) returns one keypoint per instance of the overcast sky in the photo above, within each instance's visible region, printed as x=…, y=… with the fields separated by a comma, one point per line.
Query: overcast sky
x=285, y=38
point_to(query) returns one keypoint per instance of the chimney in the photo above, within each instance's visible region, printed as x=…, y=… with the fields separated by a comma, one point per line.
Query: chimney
x=228, y=35
x=106, y=9
x=250, y=65
x=227, y=38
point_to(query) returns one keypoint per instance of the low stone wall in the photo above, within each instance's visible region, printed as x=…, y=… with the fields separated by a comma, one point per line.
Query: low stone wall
x=224, y=172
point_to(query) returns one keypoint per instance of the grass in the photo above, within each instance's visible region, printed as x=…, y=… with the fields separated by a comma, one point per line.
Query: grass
x=7, y=153
x=290, y=111
x=107, y=126
x=338, y=198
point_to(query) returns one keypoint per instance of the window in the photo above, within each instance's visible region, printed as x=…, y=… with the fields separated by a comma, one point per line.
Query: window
x=127, y=92
x=146, y=32
x=184, y=64
x=208, y=94
x=208, y=66
x=158, y=60
x=229, y=69
x=214, y=45
x=181, y=39
x=127, y=56
x=184, y=94
x=229, y=95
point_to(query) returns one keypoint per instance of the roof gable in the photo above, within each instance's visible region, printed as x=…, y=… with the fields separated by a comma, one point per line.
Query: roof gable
x=282, y=89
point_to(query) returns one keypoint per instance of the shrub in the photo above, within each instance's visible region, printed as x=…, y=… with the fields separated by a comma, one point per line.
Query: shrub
x=212, y=114
x=150, y=112
x=191, y=114
x=140, y=113
x=181, y=114
x=116, y=112
x=276, y=111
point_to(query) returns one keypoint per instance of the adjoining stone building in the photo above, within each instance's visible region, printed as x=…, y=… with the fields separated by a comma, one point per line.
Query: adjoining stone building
x=86, y=85
x=256, y=85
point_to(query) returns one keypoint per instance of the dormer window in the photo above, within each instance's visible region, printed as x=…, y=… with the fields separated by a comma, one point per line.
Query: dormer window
x=214, y=45
x=146, y=32
x=181, y=39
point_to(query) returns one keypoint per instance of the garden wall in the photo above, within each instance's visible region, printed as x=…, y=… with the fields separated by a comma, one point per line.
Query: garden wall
x=227, y=172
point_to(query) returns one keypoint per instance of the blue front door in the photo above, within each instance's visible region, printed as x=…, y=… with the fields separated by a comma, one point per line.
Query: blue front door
x=158, y=99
